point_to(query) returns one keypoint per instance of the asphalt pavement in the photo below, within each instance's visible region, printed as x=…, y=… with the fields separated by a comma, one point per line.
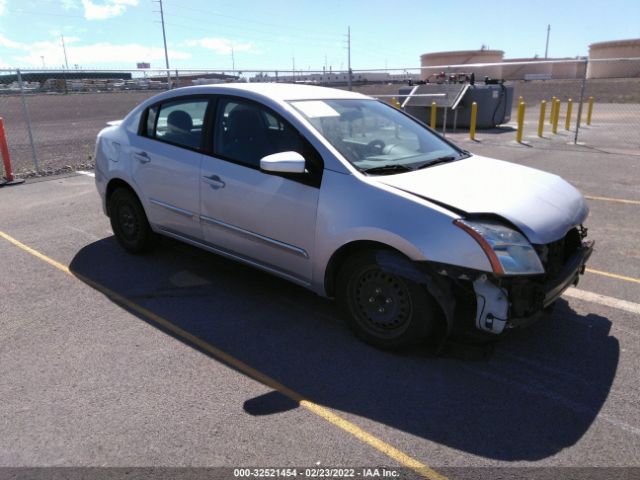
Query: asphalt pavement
x=180, y=358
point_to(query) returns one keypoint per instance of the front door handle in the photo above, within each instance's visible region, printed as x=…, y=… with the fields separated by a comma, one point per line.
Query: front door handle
x=142, y=157
x=214, y=181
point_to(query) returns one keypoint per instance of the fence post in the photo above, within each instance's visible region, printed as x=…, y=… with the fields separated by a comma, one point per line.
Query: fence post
x=584, y=84
x=543, y=109
x=474, y=115
x=25, y=111
x=434, y=110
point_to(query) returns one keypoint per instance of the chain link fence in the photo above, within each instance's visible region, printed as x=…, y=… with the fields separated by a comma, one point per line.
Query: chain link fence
x=52, y=116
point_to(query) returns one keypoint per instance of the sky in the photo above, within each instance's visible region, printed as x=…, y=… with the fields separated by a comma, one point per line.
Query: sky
x=310, y=35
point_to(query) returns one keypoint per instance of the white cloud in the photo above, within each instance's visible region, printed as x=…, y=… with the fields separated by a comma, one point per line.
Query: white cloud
x=108, y=9
x=97, y=54
x=3, y=5
x=7, y=43
x=70, y=4
x=222, y=46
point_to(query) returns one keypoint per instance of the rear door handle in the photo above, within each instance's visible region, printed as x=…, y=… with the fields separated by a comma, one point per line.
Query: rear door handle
x=142, y=157
x=214, y=181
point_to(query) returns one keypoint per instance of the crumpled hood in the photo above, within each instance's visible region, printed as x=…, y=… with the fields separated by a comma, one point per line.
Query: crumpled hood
x=542, y=205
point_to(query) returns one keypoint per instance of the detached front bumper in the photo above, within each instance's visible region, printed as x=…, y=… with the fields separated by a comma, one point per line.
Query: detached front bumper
x=514, y=302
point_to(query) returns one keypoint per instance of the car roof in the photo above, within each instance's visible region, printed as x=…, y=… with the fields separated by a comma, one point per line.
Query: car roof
x=277, y=91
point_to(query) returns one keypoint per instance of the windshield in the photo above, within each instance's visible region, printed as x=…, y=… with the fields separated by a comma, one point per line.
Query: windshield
x=375, y=137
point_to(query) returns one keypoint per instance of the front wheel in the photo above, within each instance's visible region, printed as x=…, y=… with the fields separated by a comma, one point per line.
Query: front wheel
x=384, y=309
x=129, y=222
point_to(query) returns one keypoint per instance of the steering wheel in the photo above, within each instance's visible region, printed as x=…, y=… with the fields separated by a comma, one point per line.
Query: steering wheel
x=375, y=146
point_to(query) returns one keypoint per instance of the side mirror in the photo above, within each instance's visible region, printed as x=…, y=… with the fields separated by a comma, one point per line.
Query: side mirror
x=283, y=162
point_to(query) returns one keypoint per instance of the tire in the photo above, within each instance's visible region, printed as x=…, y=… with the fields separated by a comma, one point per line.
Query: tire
x=385, y=310
x=129, y=222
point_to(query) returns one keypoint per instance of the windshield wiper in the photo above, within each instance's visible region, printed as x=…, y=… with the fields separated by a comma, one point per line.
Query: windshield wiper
x=437, y=161
x=396, y=168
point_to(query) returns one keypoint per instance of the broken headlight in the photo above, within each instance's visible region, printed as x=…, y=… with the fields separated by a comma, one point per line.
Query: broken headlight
x=509, y=252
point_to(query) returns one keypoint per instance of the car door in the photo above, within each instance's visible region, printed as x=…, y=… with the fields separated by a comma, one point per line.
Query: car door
x=166, y=162
x=264, y=218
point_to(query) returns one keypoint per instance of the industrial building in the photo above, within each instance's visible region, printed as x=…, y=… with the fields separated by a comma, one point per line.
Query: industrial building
x=560, y=68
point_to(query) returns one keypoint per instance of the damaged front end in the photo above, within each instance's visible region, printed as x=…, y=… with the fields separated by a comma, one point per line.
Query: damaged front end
x=564, y=261
x=494, y=303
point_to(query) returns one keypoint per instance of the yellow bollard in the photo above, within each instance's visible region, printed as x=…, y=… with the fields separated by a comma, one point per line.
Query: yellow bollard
x=521, y=108
x=395, y=102
x=552, y=110
x=556, y=116
x=567, y=121
x=474, y=116
x=590, y=111
x=520, y=99
x=543, y=109
x=434, y=109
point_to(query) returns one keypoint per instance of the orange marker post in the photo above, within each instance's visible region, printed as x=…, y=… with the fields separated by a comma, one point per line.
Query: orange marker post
x=6, y=159
x=4, y=149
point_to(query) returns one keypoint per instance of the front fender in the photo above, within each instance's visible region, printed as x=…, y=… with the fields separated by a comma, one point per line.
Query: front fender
x=353, y=208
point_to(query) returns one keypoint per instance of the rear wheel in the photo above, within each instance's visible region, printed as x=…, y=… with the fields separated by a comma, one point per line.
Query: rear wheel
x=129, y=222
x=384, y=309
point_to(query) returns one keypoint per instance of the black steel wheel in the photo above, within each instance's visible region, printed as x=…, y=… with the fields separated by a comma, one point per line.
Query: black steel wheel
x=129, y=222
x=383, y=308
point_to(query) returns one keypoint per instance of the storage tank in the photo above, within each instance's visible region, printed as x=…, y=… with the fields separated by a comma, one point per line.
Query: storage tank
x=441, y=59
x=512, y=70
x=569, y=69
x=615, y=49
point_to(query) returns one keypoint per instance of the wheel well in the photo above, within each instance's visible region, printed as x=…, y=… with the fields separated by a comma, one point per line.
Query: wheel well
x=433, y=286
x=113, y=185
x=340, y=255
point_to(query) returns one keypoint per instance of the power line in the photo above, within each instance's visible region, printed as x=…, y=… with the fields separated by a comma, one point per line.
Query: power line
x=246, y=20
x=253, y=35
x=265, y=33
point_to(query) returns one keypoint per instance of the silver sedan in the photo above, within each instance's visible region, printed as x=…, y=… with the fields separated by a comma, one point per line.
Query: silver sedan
x=351, y=198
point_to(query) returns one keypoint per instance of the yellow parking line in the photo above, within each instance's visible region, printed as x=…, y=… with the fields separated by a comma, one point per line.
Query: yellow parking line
x=613, y=275
x=617, y=200
x=323, y=412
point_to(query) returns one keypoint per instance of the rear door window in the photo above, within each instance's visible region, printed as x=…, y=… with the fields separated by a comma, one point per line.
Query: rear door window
x=181, y=122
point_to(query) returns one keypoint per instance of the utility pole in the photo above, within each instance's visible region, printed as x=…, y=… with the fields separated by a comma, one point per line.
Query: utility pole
x=293, y=69
x=164, y=39
x=64, y=49
x=349, y=54
x=233, y=60
x=546, y=48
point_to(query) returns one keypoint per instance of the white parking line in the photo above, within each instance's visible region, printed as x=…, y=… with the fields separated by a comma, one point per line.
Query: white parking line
x=88, y=174
x=603, y=300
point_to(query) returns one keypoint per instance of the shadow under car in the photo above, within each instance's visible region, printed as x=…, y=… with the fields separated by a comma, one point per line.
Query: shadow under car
x=537, y=394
